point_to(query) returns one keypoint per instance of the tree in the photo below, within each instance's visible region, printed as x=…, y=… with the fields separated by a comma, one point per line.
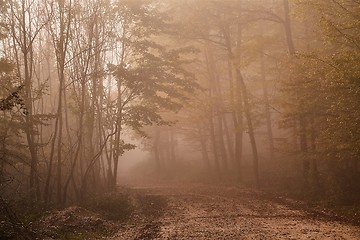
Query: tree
x=13, y=108
x=222, y=26
x=318, y=81
x=24, y=30
x=336, y=68
x=147, y=78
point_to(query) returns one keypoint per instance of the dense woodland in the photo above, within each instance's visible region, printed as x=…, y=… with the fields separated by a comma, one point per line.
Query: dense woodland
x=262, y=93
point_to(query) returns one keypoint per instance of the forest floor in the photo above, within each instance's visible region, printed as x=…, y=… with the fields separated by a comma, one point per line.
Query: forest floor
x=193, y=211
x=207, y=212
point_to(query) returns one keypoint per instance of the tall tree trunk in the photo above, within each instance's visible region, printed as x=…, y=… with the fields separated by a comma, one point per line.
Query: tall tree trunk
x=116, y=157
x=214, y=145
x=3, y=152
x=109, y=152
x=172, y=146
x=288, y=30
x=117, y=141
x=61, y=54
x=267, y=108
x=245, y=99
x=79, y=144
x=221, y=142
x=204, y=151
x=60, y=38
x=315, y=171
x=156, y=149
x=229, y=139
x=23, y=37
x=302, y=117
x=237, y=118
x=59, y=149
x=97, y=93
x=236, y=98
x=216, y=84
x=250, y=125
x=216, y=136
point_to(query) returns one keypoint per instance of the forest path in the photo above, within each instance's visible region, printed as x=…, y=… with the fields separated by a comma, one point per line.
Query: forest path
x=207, y=212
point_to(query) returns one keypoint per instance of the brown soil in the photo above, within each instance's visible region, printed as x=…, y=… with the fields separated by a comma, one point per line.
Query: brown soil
x=200, y=212
x=203, y=212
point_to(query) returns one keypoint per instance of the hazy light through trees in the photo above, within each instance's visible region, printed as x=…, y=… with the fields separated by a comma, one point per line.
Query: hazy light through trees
x=256, y=93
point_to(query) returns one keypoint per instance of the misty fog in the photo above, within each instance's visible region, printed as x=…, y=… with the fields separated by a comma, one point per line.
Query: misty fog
x=100, y=98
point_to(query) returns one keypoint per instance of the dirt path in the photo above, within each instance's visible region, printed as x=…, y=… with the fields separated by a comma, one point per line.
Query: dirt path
x=203, y=212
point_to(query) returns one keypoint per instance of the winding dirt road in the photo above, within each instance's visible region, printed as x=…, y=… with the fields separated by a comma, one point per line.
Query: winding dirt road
x=203, y=212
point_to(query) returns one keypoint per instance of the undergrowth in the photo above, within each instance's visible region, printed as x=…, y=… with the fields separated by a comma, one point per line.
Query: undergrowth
x=97, y=217
x=115, y=206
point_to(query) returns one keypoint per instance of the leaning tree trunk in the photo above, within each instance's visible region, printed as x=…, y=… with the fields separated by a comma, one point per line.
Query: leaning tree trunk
x=250, y=125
